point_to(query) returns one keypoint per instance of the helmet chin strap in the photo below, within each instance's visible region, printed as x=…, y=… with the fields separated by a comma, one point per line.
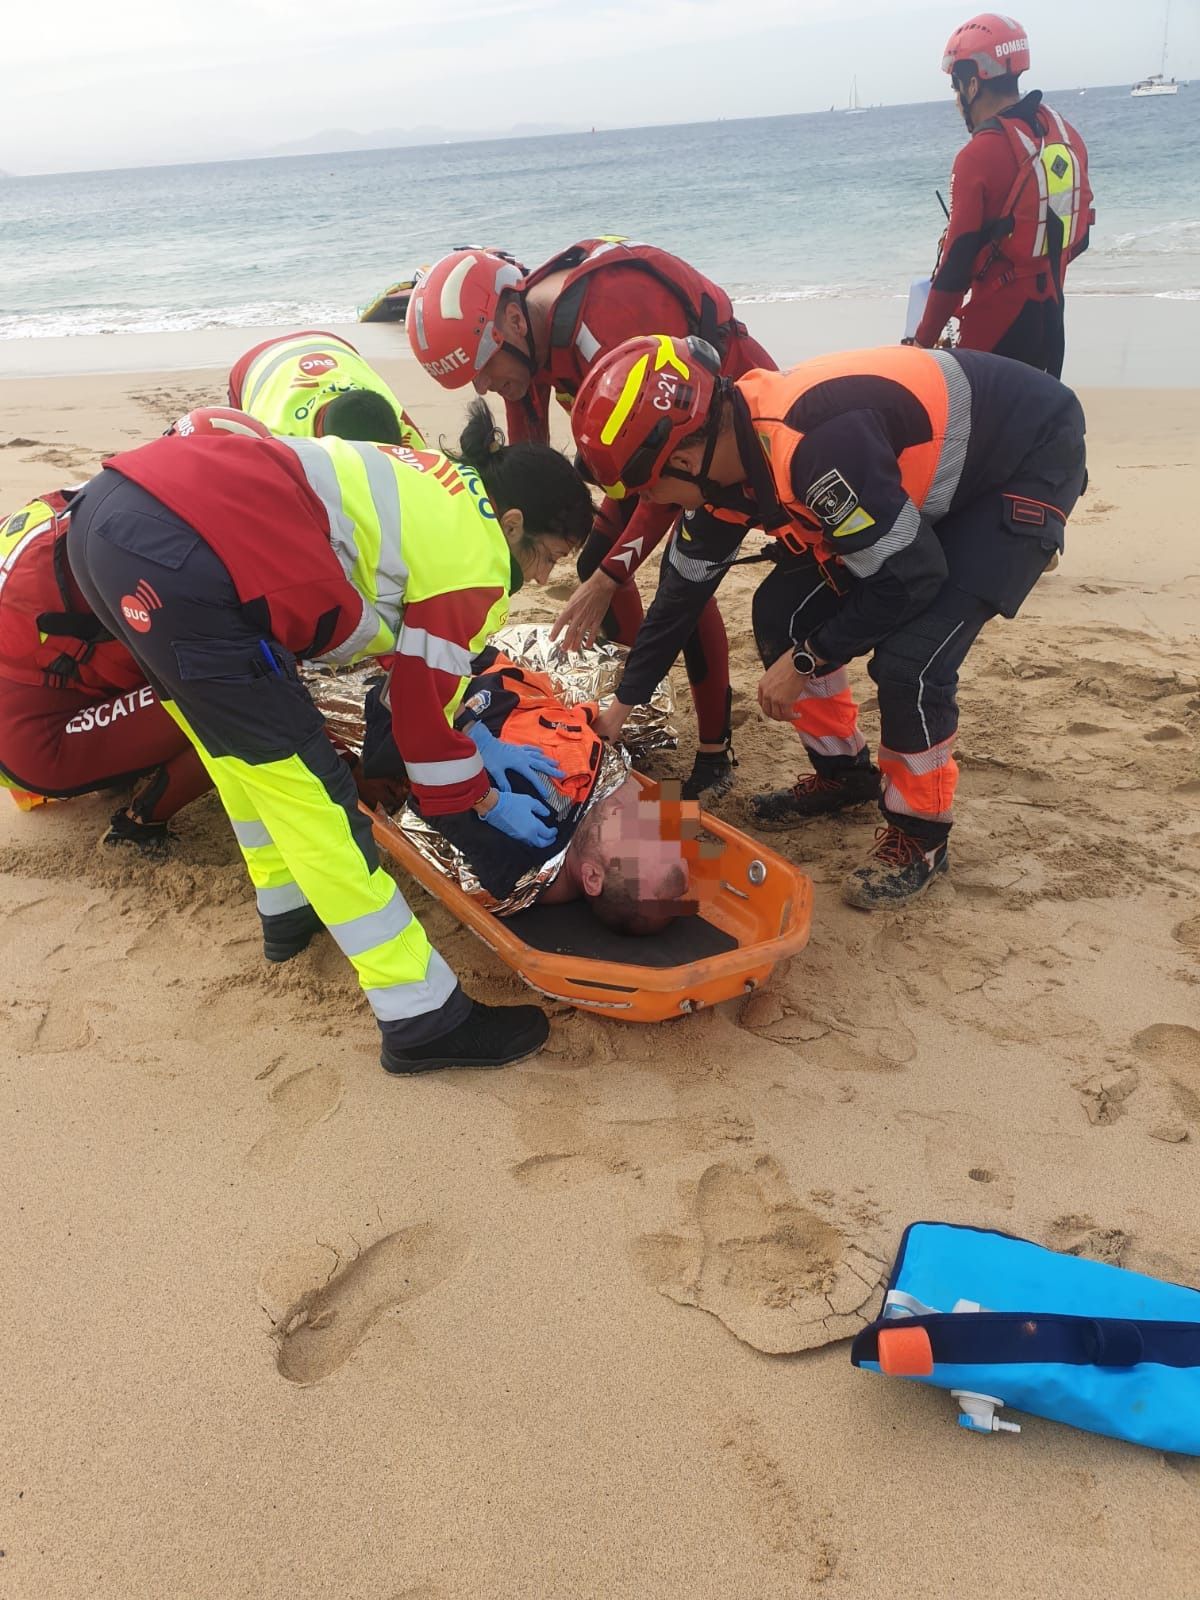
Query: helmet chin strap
x=715, y=494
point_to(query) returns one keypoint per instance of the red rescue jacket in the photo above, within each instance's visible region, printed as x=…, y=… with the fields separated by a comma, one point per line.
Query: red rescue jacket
x=48, y=635
x=251, y=504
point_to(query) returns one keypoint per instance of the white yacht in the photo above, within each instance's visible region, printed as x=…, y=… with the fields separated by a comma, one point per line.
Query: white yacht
x=1158, y=82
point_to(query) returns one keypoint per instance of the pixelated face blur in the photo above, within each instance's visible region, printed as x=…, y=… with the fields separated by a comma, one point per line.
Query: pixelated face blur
x=630, y=838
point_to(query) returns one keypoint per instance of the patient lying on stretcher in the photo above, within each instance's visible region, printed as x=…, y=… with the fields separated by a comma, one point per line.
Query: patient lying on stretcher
x=608, y=847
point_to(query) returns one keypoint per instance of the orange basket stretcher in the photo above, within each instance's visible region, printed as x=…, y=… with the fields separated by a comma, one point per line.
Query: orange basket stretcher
x=758, y=913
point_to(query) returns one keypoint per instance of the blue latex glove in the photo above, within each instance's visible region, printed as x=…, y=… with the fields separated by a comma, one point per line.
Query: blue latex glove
x=518, y=815
x=500, y=758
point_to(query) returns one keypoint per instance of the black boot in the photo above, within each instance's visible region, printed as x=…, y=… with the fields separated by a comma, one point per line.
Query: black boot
x=288, y=932
x=711, y=776
x=151, y=838
x=488, y=1036
x=898, y=869
x=816, y=796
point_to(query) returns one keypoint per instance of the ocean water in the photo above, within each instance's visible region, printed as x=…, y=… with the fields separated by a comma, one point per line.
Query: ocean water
x=778, y=208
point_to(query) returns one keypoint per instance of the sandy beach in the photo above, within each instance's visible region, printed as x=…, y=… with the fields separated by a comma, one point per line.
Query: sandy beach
x=275, y=1323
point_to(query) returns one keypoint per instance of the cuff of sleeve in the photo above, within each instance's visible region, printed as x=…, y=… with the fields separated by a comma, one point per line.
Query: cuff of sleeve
x=447, y=799
x=827, y=644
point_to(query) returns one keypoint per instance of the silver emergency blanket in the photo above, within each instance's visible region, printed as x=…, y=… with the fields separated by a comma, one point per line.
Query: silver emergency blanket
x=590, y=674
x=340, y=693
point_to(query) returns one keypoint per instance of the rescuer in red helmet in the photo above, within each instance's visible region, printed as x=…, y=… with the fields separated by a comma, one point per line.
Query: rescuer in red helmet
x=913, y=496
x=1020, y=205
x=478, y=318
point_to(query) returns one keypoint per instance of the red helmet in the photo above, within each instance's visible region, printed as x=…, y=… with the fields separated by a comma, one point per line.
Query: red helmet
x=638, y=403
x=451, y=318
x=218, y=420
x=995, y=47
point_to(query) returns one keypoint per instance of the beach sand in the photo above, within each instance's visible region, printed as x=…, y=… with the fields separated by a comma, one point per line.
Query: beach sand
x=275, y=1323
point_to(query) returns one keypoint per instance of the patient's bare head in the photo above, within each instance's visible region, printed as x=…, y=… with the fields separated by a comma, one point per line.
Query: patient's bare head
x=634, y=879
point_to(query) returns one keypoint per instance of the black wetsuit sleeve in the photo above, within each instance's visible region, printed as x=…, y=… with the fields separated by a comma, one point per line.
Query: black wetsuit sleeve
x=699, y=554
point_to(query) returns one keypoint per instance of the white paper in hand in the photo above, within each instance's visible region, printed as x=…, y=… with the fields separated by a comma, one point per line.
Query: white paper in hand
x=918, y=295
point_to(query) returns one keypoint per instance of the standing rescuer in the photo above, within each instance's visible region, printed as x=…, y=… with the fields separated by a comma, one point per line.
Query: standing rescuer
x=477, y=318
x=221, y=561
x=1020, y=205
x=914, y=495
x=314, y=385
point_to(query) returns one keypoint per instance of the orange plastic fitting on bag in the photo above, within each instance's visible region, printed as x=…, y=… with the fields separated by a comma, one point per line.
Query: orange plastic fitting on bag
x=905, y=1352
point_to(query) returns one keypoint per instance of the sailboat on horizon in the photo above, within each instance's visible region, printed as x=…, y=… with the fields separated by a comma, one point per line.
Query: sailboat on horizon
x=853, y=109
x=1157, y=83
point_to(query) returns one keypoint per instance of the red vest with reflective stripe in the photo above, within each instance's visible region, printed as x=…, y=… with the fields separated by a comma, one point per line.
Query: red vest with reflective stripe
x=771, y=395
x=1024, y=252
x=707, y=307
x=37, y=596
x=250, y=502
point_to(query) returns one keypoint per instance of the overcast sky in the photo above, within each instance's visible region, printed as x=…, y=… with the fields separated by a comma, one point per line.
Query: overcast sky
x=141, y=81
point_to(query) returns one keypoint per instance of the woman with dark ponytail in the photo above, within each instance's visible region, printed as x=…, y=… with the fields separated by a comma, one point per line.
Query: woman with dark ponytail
x=338, y=550
x=543, y=504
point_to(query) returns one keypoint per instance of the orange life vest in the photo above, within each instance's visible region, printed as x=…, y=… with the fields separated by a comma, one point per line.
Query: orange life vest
x=48, y=634
x=924, y=373
x=538, y=717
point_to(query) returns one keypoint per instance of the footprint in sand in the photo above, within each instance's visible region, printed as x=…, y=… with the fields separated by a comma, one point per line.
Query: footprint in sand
x=1188, y=934
x=299, y=1103
x=1185, y=1467
x=1080, y=1236
x=1103, y=1095
x=779, y=1275
x=813, y=1030
x=66, y=459
x=961, y=1163
x=1174, y=1048
x=17, y=921
x=576, y=1139
x=782, y=1513
x=324, y=1324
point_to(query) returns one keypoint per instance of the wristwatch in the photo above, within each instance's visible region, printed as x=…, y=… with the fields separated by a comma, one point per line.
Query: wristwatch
x=804, y=661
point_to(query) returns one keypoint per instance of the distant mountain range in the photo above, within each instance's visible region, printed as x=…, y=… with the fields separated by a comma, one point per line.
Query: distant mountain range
x=333, y=141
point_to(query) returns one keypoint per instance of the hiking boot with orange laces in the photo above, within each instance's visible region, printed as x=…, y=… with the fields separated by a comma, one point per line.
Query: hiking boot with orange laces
x=815, y=796
x=898, y=869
